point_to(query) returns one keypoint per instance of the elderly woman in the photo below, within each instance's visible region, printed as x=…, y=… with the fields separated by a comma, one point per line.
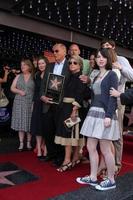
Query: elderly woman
x=70, y=108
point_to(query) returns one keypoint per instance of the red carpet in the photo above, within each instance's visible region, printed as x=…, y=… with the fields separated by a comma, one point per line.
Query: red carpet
x=51, y=183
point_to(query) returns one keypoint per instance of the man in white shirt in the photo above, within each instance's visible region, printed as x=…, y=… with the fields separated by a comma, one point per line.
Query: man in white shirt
x=59, y=67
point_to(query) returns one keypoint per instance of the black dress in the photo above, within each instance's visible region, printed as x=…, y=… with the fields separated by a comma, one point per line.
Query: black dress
x=75, y=89
x=36, y=120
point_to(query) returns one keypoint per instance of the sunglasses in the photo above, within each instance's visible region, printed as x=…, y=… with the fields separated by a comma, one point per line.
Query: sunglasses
x=74, y=62
x=55, y=51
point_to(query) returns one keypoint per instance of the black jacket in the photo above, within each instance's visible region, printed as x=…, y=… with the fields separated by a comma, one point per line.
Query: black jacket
x=127, y=97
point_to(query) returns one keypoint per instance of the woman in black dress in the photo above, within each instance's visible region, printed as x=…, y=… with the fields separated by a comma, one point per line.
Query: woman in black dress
x=70, y=108
x=36, y=120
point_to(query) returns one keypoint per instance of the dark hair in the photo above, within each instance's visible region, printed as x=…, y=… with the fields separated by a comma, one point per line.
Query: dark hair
x=105, y=53
x=43, y=58
x=93, y=53
x=111, y=42
x=34, y=57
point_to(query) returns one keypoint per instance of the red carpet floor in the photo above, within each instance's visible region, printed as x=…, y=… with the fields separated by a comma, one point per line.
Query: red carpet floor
x=50, y=183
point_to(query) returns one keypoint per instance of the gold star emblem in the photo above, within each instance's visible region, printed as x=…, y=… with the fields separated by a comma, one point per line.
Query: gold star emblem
x=55, y=84
x=130, y=117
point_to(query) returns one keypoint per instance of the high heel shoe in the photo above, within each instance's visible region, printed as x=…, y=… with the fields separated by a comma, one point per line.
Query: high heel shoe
x=29, y=147
x=41, y=158
x=21, y=146
x=75, y=163
x=65, y=167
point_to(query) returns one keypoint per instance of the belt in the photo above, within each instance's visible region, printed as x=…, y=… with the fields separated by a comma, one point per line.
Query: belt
x=68, y=100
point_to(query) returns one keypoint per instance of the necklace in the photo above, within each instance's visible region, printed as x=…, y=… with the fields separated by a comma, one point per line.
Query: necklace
x=101, y=75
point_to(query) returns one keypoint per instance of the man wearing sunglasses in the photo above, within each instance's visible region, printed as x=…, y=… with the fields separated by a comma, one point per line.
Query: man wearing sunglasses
x=59, y=67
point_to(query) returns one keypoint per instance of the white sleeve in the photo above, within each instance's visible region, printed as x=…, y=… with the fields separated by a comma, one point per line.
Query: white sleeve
x=127, y=70
x=118, y=73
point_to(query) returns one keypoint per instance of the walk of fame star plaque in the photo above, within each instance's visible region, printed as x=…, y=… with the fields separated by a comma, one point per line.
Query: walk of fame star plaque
x=11, y=175
x=54, y=87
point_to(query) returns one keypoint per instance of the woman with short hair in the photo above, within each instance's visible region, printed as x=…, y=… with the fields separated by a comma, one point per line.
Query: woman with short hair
x=70, y=108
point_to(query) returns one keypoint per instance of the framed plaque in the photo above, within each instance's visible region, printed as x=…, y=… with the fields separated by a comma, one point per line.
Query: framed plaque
x=54, y=87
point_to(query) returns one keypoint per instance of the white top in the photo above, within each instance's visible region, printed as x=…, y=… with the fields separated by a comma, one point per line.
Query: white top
x=118, y=73
x=58, y=68
x=126, y=72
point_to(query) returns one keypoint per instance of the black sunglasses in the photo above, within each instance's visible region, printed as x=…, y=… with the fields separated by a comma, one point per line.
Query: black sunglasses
x=55, y=51
x=74, y=62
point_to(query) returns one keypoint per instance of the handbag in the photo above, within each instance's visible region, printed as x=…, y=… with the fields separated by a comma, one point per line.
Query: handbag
x=3, y=99
x=69, y=123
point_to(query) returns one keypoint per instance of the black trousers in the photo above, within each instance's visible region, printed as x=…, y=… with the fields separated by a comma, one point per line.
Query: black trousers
x=49, y=123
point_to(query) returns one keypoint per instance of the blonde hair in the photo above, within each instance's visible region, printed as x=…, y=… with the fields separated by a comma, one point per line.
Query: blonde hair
x=30, y=64
x=61, y=46
x=78, y=59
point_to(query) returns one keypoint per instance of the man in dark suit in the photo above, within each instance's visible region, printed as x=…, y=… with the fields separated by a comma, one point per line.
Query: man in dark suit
x=50, y=110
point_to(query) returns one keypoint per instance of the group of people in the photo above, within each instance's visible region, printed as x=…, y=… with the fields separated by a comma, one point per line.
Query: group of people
x=92, y=92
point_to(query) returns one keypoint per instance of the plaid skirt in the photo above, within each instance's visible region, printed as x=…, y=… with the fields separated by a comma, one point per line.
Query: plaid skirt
x=93, y=125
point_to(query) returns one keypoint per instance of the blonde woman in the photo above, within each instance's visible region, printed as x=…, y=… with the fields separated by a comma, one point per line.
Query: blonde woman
x=23, y=87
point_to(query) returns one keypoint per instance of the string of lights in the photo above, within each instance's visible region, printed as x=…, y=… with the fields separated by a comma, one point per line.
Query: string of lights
x=15, y=44
x=98, y=18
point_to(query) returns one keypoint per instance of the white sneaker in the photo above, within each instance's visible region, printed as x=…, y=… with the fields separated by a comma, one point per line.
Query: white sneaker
x=106, y=185
x=86, y=180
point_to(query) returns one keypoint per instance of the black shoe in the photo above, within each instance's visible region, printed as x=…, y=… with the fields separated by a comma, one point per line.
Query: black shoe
x=58, y=162
x=20, y=150
x=47, y=158
x=29, y=148
x=41, y=158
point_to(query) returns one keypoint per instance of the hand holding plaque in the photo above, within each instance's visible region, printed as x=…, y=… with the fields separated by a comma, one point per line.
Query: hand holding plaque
x=54, y=87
